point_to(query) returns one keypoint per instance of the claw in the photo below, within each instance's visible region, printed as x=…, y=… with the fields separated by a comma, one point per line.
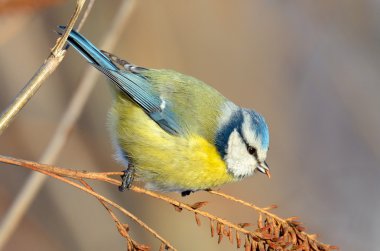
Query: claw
x=186, y=193
x=127, y=179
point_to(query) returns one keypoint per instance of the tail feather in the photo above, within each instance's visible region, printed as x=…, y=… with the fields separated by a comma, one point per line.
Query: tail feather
x=88, y=50
x=129, y=81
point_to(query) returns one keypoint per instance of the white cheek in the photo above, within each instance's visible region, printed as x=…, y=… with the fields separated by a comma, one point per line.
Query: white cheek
x=239, y=162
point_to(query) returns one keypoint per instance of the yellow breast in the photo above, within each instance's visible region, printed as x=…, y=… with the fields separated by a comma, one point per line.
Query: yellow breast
x=166, y=162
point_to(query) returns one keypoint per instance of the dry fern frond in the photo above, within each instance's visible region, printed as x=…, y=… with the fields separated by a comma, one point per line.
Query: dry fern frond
x=270, y=233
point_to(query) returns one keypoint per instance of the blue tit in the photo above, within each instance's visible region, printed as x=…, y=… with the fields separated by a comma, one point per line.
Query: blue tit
x=174, y=132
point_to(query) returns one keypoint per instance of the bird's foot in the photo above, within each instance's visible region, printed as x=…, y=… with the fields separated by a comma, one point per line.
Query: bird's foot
x=186, y=193
x=127, y=178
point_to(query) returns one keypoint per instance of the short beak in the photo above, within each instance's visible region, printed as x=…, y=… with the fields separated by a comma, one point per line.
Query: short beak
x=263, y=168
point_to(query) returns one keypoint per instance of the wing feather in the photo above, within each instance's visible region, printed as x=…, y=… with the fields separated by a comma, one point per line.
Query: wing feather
x=140, y=91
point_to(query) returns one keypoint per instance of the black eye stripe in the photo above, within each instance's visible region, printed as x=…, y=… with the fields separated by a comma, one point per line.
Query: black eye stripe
x=251, y=150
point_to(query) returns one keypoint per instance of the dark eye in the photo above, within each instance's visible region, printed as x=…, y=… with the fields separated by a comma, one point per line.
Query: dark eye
x=251, y=150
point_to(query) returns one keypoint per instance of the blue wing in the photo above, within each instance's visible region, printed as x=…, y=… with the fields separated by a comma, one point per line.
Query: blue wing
x=135, y=86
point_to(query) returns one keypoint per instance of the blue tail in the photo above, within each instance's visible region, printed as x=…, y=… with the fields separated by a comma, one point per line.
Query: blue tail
x=136, y=86
x=87, y=49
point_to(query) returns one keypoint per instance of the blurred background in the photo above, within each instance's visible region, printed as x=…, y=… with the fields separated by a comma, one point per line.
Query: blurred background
x=310, y=67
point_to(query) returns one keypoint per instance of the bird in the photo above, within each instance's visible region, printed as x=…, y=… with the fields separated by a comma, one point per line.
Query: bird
x=174, y=132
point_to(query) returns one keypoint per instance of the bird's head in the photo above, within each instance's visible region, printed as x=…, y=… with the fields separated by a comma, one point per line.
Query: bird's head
x=243, y=141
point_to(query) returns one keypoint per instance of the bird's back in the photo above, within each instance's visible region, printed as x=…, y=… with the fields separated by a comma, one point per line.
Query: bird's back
x=196, y=105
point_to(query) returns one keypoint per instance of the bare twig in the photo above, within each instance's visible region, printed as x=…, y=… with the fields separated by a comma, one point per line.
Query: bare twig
x=76, y=174
x=122, y=228
x=42, y=73
x=58, y=47
x=21, y=203
x=191, y=209
x=258, y=209
x=120, y=208
x=85, y=14
x=71, y=115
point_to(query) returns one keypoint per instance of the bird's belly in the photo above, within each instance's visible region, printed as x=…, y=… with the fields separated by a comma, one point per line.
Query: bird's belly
x=164, y=161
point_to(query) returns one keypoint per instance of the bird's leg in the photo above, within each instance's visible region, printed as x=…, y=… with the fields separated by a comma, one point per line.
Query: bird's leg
x=127, y=178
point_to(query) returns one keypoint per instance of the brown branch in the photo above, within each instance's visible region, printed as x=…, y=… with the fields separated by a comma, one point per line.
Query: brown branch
x=75, y=174
x=191, y=209
x=273, y=232
x=99, y=197
x=35, y=181
x=122, y=228
x=25, y=197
